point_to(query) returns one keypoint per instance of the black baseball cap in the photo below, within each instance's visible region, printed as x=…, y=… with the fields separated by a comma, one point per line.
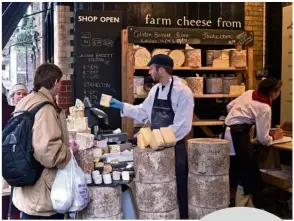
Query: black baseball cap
x=162, y=59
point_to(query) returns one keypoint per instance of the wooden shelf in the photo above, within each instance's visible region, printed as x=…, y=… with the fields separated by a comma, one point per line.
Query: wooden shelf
x=198, y=96
x=199, y=69
x=208, y=123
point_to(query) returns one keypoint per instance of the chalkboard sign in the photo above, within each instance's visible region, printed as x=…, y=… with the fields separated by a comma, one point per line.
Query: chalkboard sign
x=98, y=58
x=141, y=35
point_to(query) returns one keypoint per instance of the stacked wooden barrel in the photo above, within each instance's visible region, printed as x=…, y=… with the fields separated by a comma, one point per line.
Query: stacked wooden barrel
x=155, y=187
x=208, y=179
x=104, y=203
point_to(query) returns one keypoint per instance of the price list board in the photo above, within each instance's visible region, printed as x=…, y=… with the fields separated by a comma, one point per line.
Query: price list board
x=98, y=58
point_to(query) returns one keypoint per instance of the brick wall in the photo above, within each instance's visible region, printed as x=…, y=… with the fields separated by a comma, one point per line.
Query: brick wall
x=254, y=18
x=63, y=51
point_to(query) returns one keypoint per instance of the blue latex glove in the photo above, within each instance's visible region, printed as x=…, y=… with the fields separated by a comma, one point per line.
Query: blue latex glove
x=116, y=104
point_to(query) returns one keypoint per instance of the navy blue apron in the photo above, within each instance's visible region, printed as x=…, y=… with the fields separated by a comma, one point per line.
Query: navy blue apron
x=163, y=116
x=244, y=168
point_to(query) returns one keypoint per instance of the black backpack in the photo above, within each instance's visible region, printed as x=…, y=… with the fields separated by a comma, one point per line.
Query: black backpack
x=19, y=167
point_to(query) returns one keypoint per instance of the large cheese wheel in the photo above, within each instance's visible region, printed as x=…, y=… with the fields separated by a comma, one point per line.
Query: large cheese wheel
x=154, y=166
x=238, y=58
x=116, y=217
x=208, y=156
x=178, y=57
x=157, y=197
x=142, y=57
x=198, y=213
x=193, y=58
x=103, y=202
x=208, y=191
x=85, y=160
x=195, y=84
x=169, y=215
x=160, y=51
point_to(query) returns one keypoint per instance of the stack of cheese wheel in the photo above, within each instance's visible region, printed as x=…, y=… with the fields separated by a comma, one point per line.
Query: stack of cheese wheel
x=208, y=179
x=155, y=187
x=104, y=203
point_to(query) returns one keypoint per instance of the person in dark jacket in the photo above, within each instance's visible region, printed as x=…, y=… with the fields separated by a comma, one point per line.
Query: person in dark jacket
x=6, y=114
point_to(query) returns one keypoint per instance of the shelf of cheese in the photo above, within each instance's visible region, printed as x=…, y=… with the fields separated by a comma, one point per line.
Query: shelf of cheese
x=199, y=68
x=199, y=96
x=208, y=123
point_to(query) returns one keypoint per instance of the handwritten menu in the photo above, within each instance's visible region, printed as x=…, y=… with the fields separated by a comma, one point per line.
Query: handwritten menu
x=98, y=65
x=286, y=93
x=152, y=35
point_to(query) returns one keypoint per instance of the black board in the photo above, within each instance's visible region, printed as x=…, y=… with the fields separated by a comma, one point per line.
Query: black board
x=146, y=35
x=98, y=58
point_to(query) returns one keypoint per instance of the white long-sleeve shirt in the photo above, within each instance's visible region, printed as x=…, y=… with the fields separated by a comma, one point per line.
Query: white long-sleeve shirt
x=182, y=104
x=245, y=110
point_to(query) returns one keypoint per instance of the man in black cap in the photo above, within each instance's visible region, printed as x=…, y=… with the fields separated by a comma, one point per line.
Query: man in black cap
x=170, y=103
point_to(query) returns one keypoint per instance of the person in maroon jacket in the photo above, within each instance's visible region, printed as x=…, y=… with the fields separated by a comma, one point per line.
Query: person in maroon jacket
x=6, y=114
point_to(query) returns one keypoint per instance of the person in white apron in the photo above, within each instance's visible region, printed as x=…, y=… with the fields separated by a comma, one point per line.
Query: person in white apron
x=251, y=108
x=170, y=103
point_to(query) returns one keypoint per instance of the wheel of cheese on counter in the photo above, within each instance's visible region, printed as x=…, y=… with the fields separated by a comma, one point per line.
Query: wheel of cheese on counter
x=160, y=51
x=154, y=166
x=156, y=197
x=142, y=57
x=208, y=156
x=104, y=202
x=208, y=191
x=198, y=212
x=178, y=57
x=169, y=215
x=193, y=58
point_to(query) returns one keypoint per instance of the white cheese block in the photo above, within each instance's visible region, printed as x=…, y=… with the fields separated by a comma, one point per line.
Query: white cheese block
x=105, y=100
x=141, y=142
x=208, y=191
x=72, y=135
x=142, y=57
x=178, y=57
x=146, y=135
x=168, y=136
x=81, y=124
x=85, y=141
x=79, y=105
x=114, y=148
x=72, y=111
x=219, y=63
x=97, y=152
x=160, y=51
x=208, y=156
x=156, y=141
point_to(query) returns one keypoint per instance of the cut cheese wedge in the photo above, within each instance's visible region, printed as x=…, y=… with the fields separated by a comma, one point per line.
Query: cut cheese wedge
x=105, y=100
x=141, y=142
x=79, y=105
x=156, y=141
x=146, y=135
x=168, y=136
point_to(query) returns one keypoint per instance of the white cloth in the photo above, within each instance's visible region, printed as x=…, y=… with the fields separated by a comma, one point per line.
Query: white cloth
x=245, y=110
x=182, y=104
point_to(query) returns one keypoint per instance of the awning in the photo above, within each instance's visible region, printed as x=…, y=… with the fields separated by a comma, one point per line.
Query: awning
x=12, y=13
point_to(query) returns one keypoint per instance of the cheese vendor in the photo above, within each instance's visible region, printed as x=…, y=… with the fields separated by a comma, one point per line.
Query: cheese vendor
x=169, y=103
x=252, y=108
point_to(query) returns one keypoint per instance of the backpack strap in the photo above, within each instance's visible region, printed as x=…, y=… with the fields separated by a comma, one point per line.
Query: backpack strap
x=38, y=107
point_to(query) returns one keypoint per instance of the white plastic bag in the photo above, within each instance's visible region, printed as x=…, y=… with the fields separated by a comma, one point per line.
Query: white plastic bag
x=80, y=190
x=62, y=195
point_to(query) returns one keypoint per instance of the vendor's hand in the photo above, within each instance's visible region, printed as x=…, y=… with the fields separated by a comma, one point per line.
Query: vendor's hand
x=116, y=104
x=74, y=146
